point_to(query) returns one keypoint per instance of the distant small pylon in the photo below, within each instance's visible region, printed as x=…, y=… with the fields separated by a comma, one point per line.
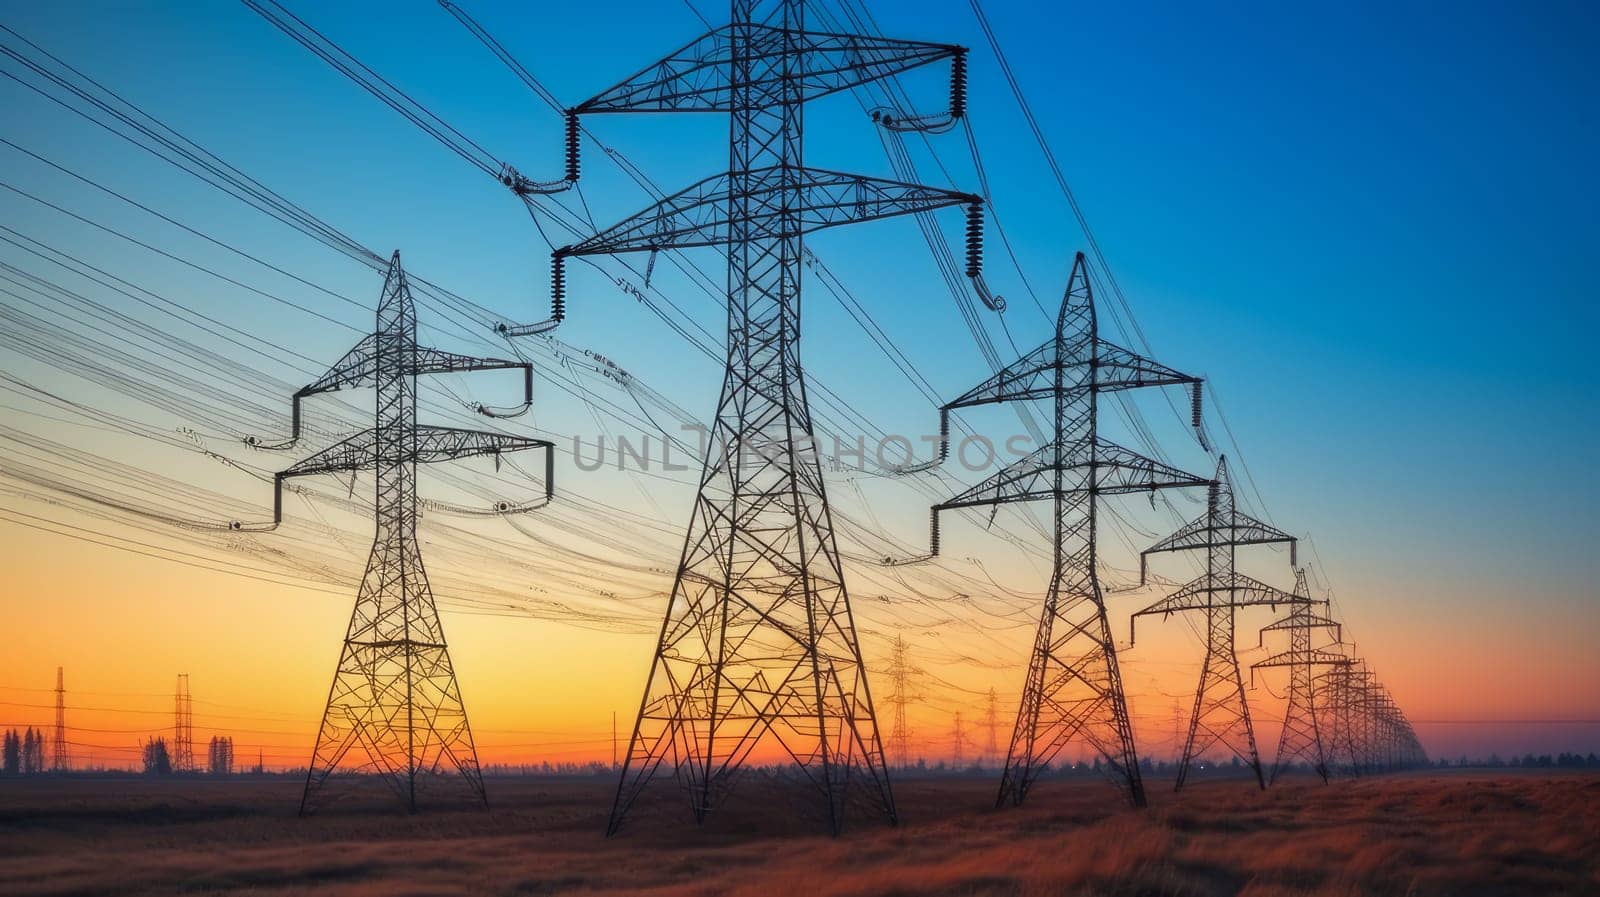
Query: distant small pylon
x=183, y=727
x=59, y=761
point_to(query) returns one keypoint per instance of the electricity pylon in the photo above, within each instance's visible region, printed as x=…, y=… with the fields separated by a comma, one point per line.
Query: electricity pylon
x=1221, y=712
x=183, y=727
x=58, y=741
x=1073, y=691
x=394, y=709
x=758, y=652
x=991, y=725
x=899, y=696
x=1302, y=737
x=958, y=735
x=1370, y=734
x=1347, y=688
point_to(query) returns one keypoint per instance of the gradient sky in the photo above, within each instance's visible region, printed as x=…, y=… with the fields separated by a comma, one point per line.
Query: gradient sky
x=1370, y=227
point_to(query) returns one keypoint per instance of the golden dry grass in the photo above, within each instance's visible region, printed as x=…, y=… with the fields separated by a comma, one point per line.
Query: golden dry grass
x=1458, y=834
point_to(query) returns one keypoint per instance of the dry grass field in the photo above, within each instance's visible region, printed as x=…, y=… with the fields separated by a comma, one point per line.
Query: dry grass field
x=1455, y=834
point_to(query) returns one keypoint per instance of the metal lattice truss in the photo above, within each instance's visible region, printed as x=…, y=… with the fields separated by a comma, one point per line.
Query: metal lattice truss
x=1368, y=732
x=362, y=451
x=395, y=711
x=813, y=64
x=783, y=202
x=1073, y=693
x=1301, y=739
x=1107, y=468
x=1207, y=592
x=1221, y=715
x=758, y=659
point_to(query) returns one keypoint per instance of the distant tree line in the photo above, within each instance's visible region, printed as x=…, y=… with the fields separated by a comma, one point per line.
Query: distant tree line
x=1527, y=761
x=24, y=753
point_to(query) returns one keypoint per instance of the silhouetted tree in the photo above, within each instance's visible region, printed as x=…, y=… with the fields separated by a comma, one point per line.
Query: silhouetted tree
x=157, y=762
x=32, y=752
x=13, y=753
x=221, y=755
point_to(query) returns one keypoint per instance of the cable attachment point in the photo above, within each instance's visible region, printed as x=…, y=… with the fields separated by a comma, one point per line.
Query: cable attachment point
x=572, y=144
x=994, y=301
x=974, y=239
x=522, y=185
x=958, y=85
x=558, y=303
x=558, y=287
x=1194, y=416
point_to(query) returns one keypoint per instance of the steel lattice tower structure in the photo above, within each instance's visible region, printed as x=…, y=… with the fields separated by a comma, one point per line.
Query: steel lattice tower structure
x=899, y=695
x=394, y=709
x=183, y=726
x=1221, y=712
x=958, y=735
x=991, y=725
x=758, y=647
x=59, y=761
x=1370, y=733
x=1302, y=737
x=1347, y=688
x=1073, y=691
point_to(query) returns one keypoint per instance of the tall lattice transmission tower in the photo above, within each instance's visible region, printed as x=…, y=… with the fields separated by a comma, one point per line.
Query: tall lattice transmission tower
x=394, y=710
x=1221, y=713
x=758, y=658
x=1368, y=731
x=183, y=726
x=991, y=725
x=1073, y=693
x=899, y=673
x=958, y=736
x=59, y=761
x=1302, y=739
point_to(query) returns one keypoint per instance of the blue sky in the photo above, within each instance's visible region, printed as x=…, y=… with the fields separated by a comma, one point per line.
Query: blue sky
x=1370, y=225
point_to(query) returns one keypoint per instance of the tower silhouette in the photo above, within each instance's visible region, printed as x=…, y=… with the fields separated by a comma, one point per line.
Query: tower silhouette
x=899, y=673
x=1073, y=692
x=59, y=761
x=394, y=709
x=183, y=727
x=1221, y=713
x=1302, y=739
x=958, y=735
x=758, y=657
x=991, y=725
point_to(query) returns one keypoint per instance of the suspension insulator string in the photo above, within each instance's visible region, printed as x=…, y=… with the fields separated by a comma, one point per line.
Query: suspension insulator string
x=572, y=144
x=558, y=287
x=974, y=239
x=958, y=85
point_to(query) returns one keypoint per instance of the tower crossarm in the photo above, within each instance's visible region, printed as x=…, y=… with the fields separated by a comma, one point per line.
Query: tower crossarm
x=1302, y=618
x=1204, y=532
x=360, y=452
x=789, y=202
x=1026, y=479
x=1120, y=471
x=1314, y=657
x=1210, y=592
x=1299, y=659
x=700, y=76
x=358, y=369
x=450, y=444
x=1116, y=471
x=1030, y=377
x=1118, y=368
